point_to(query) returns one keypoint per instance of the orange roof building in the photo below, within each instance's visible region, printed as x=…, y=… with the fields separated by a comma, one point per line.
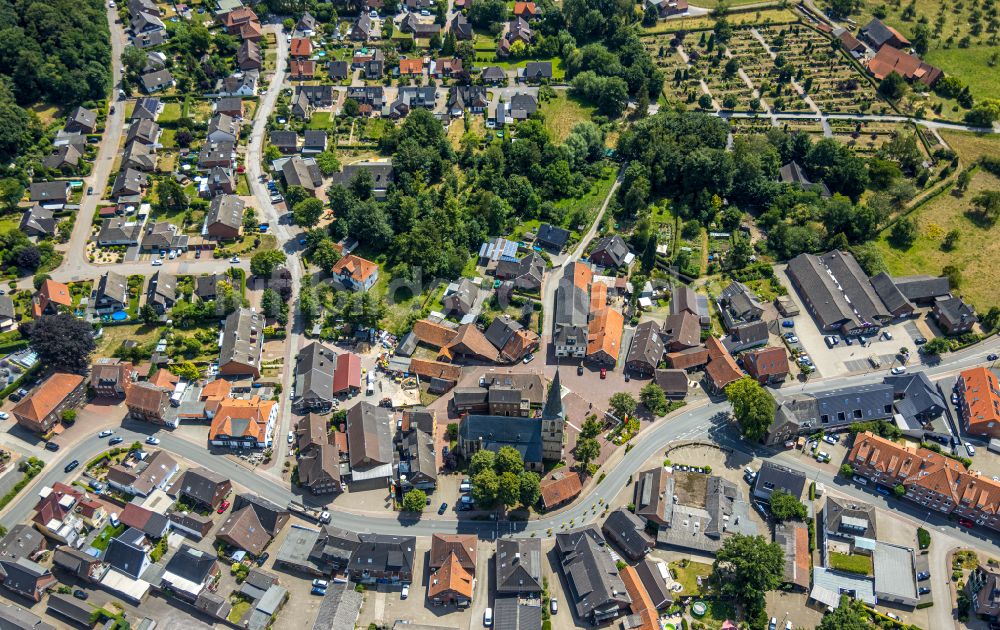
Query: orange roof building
x=642, y=603
x=433, y=334
x=355, y=273
x=451, y=583
x=979, y=396
x=604, y=337
x=721, y=369
x=302, y=69
x=526, y=10
x=243, y=423
x=472, y=343
x=411, y=67
x=42, y=409
x=767, y=365
x=164, y=378
x=888, y=60
x=301, y=47
x=462, y=546
x=931, y=479
x=558, y=487
x=50, y=296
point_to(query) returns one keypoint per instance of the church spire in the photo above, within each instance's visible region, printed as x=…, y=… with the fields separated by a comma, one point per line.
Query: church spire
x=553, y=404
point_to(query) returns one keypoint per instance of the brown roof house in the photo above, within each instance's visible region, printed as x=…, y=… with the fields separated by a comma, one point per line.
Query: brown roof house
x=242, y=341
x=647, y=348
x=111, y=378
x=43, y=408
x=253, y=523
x=202, y=487
x=225, y=217
x=142, y=473
x=767, y=366
x=453, y=566
x=559, y=487
x=369, y=439
x=149, y=402
x=49, y=298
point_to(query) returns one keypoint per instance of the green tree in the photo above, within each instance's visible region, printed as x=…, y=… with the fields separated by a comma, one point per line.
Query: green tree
x=899, y=490
x=591, y=428
x=171, y=196
x=745, y=569
x=508, y=489
x=753, y=407
x=508, y=460
x=846, y=470
x=785, y=507
x=273, y=306
x=485, y=486
x=903, y=233
x=414, y=501
x=61, y=341
x=893, y=86
x=951, y=239
x=308, y=212
x=325, y=255
x=263, y=263
x=328, y=163
x=622, y=404
x=185, y=370
x=851, y=614
x=654, y=398
x=530, y=490
x=481, y=460
x=11, y=191
x=148, y=314
x=954, y=275
x=587, y=450
x=986, y=206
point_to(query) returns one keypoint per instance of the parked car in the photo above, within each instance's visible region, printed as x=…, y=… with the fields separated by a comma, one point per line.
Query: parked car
x=860, y=480
x=886, y=335
x=116, y=440
x=579, y=370
x=920, y=341
x=529, y=358
x=90, y=190
x=235, y=260
x=152, y=440
x=223, y=506
x=923, y=575
x=848, y=341
x=553, y=605
x=320, y=583
x=992, y=357
x=51, y=446
x=488, y=617
x=465, y=486
x=773, y=625
x=788, y=324
x=79, y=594
x=157, y=262
x=441, y=510
x=923, y=590
x=262, y=558
x=970, y=449
x=604, y=372
x=899, y=369
x=291, y=436
x=318, y=591
x=792, y=339
x=965, y=522
x=830, y=439
x=4, y=415
x=70, y=466
x=105, y=433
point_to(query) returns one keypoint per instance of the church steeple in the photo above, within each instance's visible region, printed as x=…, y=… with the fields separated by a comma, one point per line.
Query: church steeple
x=553, y=404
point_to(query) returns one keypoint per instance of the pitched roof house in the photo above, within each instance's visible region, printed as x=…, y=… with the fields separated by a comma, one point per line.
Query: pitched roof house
x=242, y=341
x=979, y=402
x=647, y=348
x=767, y=365
x=519, y=566
x=355, y=273
x=954, y=315
x=595, y=583
x=143, y=476
x=202, y=486
x=243, y=423
x=369, y=439
x=42, y=409
x=224, y=220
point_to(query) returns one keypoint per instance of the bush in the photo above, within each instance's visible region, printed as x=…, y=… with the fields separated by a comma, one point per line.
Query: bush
x=923, y=538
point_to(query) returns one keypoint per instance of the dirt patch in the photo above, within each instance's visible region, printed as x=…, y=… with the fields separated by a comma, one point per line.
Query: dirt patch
x=690, y=488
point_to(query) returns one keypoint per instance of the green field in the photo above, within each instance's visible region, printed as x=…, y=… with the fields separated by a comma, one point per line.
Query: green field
x=562, y=112
x=970, y=65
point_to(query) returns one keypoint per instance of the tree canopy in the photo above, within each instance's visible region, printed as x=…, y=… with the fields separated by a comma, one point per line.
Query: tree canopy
x=753, y=407
x=746, y=568
x=61, y=341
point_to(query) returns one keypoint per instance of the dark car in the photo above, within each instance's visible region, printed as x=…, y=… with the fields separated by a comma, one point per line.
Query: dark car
x=992, y=357
x=923, y=590
x=80, y=594
x=964, y=522
x=262, y=558
x=51, y=446
x=920, y=341
x=579, y=370
x=70, y=466
x=15, y=397
x=923, y=575
x=444, y=506
x=116, y=440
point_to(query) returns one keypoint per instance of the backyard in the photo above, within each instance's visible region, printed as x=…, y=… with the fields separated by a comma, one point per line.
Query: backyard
x=562, y=112
x=852, y=563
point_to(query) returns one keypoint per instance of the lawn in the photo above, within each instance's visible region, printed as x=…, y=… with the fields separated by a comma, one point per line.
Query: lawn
x=772, y=16
x=562, y=112
x=267, y=241
x=104, y=538
x=113, y=337
x=851, y=563
x=591, y=202
x=319, y=120
x=688, y=576
x=171, y=112
x=970, y=65
x=240, y=608
x=971, y=146
x=977, y=249
x=242, y=187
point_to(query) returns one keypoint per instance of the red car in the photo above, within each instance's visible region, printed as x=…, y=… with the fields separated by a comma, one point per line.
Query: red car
x=223, y=507
x=604, y=372
x=964, y=522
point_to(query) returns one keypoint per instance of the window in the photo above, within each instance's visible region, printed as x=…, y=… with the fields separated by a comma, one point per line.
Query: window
x=858, y=414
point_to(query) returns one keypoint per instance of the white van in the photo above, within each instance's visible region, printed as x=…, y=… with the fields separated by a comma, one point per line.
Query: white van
x=488, y=617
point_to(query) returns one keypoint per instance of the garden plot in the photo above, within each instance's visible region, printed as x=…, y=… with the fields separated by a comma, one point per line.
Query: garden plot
x=829, y=79
x=675, y=87
x=708, y=64
x=864, y=136
x=771, y=77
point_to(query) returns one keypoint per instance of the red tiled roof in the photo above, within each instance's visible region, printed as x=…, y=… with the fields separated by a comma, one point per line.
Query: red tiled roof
x=50, y=292
x=435, y=369
x=356, y=267
x=559, y=486
x=450, y=579
x=766, y=362
x=164, y=378
x=981, y=398
x=721, y=369
x=888, y=60
x=255, y=410
x=411, y=66
x=605, y=333
x=48, y=396
x=528, y=8
x=303, y=68
x=642, y=603
x=347, y=374
x=301, y=47
x=433, y=334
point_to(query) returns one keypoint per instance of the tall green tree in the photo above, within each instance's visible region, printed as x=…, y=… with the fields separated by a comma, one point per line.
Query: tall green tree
x=753, y=407
x=745, y=569
x=263, y=263
x=622, y=404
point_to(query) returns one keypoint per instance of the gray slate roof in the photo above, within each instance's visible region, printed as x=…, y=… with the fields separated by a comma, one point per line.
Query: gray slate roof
x=519, y=565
